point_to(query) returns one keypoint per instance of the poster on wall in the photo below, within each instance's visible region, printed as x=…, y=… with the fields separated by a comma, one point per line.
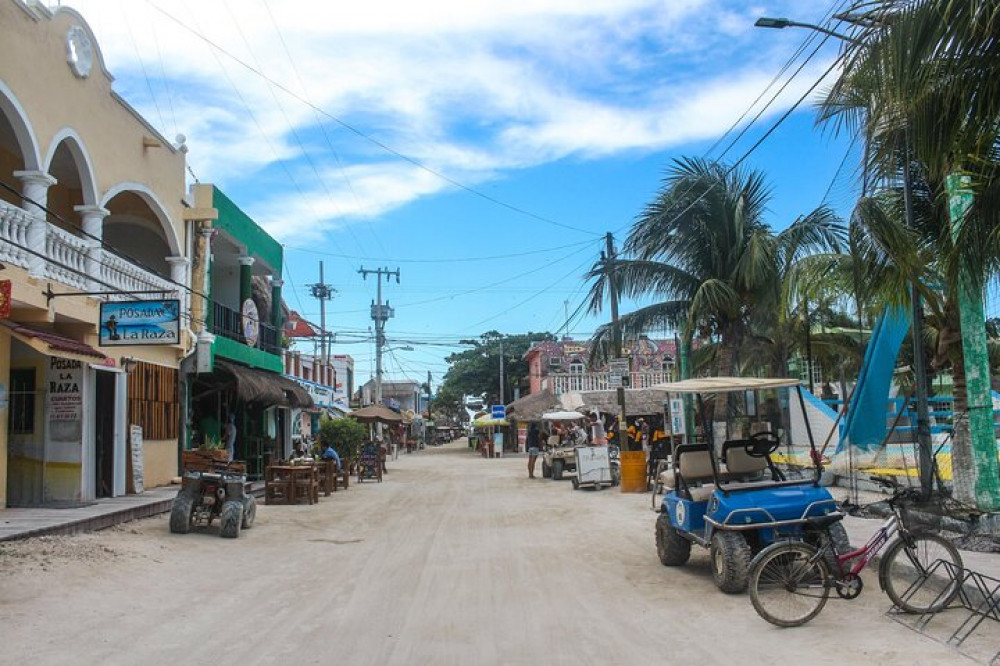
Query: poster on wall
x=132, y=323
x=64, y=399
x=135, y=446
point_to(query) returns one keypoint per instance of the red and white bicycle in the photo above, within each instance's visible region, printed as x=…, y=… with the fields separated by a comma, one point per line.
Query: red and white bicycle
x=790, y=581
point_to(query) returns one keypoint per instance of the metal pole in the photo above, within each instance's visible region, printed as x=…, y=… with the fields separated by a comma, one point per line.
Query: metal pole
x=322, y=317
x=616, y=333
x=501, y=374
x=378, y=342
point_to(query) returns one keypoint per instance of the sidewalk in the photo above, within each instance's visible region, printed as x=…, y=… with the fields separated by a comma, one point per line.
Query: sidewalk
x=104, y=513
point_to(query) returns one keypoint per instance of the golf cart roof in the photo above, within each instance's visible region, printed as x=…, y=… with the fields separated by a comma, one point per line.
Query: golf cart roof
x=562, y=416
x=726, y=384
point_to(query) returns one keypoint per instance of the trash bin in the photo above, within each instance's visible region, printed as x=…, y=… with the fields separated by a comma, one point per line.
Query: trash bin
x=633, y=471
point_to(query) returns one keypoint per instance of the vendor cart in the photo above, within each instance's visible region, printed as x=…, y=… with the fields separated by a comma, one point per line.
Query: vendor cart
x=593, y=468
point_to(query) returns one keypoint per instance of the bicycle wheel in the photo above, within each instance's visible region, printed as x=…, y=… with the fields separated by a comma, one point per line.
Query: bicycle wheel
x=911, y=580
x=789, y=584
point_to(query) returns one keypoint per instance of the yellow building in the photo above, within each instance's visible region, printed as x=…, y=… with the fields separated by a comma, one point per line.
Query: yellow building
x=91, y=210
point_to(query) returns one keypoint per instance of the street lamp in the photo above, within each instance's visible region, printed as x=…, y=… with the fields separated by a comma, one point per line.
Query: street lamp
x=781, y=23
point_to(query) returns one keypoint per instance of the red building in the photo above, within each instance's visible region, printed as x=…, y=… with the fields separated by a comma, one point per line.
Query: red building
x=563, y=366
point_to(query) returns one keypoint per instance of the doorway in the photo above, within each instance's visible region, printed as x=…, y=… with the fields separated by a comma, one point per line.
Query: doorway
x=104, y=433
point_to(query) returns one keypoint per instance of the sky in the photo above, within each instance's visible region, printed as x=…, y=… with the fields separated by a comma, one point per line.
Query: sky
x=483, y=148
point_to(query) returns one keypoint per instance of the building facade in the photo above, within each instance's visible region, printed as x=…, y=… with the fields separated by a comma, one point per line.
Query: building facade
x=91, y=212
x=563, y=366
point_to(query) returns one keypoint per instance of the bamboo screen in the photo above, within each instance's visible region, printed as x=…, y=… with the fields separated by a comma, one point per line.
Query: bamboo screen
x=152, y=401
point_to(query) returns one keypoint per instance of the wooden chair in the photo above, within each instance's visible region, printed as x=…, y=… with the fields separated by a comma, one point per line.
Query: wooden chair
x=277, y=487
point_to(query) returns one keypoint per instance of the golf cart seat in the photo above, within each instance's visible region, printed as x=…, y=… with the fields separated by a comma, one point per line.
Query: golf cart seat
x=694, y=461
x=739, y=463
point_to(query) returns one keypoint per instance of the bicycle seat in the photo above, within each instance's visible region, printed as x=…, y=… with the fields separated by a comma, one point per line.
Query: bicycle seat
x=822, y=522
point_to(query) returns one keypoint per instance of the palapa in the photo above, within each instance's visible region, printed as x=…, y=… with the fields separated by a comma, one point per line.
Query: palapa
x=377, y=414
x=638, y=402
x=531, y=407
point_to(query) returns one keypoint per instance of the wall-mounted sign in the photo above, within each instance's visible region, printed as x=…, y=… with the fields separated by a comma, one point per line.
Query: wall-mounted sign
x=133, y=323
x=251, y=322
x=64, y=399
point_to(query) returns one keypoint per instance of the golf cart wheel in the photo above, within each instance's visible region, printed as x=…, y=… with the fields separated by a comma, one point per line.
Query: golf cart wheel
x=557, y=470
x=674, y=550
x=731, y=557
x=180, y=513
x=231, y=519
x=546, y=470
x=841, y=545
x=249, y=511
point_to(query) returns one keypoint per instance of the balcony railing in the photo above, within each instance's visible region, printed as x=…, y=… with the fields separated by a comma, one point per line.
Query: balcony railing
x=229, y=324
x=598, y=381
x=65, y=257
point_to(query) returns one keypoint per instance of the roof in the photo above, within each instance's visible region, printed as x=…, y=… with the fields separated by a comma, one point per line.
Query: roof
x=297, y=327
x=638, y=402
x=377, y=413
x=726, y=384
x=53, y=344
x=263, y=388
x=532, y=406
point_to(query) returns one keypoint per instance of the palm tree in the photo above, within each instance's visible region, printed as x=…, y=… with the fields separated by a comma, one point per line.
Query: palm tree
x=922, y=85
x=703, y=252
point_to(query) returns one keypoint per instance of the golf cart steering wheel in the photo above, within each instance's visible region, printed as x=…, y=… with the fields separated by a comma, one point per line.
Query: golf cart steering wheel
x=762, y=444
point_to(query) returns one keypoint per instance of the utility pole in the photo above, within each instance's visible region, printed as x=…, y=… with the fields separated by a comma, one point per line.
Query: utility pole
x=428, y=394
x=323, y=292
x=616, y=333
x=501, y=374
x=381, y=313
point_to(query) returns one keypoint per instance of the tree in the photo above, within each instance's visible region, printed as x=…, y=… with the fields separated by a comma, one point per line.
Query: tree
x=345, y=435
x=476, y=371
x=703, y=252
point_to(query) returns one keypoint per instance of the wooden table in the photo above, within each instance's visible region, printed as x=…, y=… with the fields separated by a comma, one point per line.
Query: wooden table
x=283, y=483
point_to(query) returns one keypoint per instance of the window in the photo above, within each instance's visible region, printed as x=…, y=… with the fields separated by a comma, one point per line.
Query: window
x=554, y=361
x=21, y=415
x=576, y=367
x=152, y=401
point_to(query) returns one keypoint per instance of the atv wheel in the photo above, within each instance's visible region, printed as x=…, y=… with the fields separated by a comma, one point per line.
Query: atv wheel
x=180, y=513
x=731, y=557
x=232, y=517
x=249, y=511
x=557, y=470
x=674, y=550
x=546, y=470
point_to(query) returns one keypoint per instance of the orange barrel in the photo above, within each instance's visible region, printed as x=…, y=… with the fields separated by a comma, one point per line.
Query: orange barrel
x=633, y=471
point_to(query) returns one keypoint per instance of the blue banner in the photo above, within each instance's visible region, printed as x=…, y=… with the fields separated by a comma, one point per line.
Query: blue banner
x=134, y=323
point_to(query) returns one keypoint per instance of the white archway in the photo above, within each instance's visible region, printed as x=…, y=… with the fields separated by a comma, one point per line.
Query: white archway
x=25, y=134
x=84, y=166
x=155, y=205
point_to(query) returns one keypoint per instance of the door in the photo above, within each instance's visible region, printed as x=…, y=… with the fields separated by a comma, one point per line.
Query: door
x=104, y=433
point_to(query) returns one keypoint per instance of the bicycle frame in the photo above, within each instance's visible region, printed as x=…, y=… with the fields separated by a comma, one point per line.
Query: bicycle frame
x=864, y=554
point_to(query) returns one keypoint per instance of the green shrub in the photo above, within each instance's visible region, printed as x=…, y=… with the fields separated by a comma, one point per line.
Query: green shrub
x=345, y=435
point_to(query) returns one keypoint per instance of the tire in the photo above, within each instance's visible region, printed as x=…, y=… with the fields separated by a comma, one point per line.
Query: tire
x=789, y=585
x=249, y=511
x=616, y=475
x=557, y=470
x=576, y=483
x=546, y=470
x=910, y=559
x=180, y=513
x=230, y=519
x=731, y=556
x=674, y=550
x=841, y=545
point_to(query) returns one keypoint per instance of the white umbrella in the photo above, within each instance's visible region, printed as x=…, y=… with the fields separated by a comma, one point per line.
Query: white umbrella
x=562, y=416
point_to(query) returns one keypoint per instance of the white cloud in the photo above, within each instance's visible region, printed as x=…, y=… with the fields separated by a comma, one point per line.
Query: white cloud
x=469, y=87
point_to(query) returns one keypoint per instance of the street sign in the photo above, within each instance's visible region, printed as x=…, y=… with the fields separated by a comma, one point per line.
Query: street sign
x=677, y=425
x=618, y=373
x=498, y=412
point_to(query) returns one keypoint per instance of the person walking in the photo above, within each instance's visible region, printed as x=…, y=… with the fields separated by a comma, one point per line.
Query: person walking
x=532, y=443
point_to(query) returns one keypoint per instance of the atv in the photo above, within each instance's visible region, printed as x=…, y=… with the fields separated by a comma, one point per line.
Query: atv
x=218, y=493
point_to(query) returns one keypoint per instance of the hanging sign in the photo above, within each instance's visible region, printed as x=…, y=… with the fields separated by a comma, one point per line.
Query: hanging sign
x=251, y=322
x=677, y=425
x=135, y=323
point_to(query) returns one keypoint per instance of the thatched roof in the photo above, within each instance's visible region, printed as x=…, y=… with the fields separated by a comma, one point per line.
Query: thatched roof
x=531, y=407
x=377, y=413
x=262, y=388
x=638, y=402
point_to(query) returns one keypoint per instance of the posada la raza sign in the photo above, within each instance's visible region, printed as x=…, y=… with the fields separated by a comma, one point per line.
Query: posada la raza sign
x=134, y=323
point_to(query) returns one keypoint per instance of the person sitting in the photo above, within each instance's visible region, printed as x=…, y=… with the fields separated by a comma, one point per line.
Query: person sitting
x=330, y=453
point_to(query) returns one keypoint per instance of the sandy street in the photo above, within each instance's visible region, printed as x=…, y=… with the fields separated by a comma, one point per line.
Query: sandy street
x=453, y=559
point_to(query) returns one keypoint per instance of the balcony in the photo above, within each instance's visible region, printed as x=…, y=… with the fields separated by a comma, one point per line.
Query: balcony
x=598, y=381
x=66, y=258
x=229, y=324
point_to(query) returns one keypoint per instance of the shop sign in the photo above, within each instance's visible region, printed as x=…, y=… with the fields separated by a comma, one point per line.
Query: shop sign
x=321, y=395
x=64, y=398
x=251, y=322
x=677, y=425
x=136, y=323
x=4, y=299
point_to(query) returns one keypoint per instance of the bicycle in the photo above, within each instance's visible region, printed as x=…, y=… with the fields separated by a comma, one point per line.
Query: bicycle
x=790, y=581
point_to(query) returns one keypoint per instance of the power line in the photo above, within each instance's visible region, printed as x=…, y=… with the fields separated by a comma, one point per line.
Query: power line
x=448, y=260
x=367, y=137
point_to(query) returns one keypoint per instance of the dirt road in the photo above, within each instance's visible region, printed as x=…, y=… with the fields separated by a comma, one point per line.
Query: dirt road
x=453, y=559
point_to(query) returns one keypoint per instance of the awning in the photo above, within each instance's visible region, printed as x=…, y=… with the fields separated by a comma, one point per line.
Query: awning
x=263, y=388
x=53, y=344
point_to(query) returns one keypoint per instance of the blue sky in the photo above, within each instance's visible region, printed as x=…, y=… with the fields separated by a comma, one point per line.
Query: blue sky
x=483, y=148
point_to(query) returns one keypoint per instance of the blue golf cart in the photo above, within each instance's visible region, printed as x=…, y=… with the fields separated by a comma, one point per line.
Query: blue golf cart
x=743, y=483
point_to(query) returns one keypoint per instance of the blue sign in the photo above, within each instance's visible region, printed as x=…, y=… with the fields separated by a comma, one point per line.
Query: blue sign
x=499, y=412
x=134, y=323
